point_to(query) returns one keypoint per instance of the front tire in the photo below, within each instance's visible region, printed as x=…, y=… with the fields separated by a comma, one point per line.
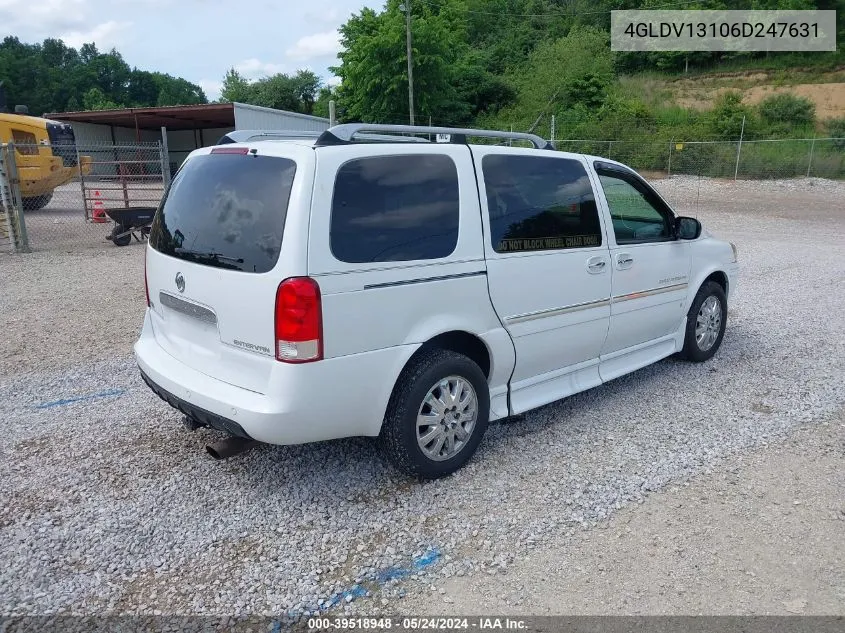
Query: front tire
x=706, y=322
x=437, y=414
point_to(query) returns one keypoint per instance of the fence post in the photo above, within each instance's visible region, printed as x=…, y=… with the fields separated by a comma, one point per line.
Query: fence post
x=10, y=197
x=7, y=229
x=739, y=147
x=812, y=147
x=165, y=158
x=553, y=130
x=669, y=169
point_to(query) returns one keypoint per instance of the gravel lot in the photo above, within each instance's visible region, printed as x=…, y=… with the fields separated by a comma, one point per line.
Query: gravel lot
x=108, y=504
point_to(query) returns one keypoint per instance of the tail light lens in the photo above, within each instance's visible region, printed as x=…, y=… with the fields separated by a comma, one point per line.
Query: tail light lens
x=146, y=285
x=299, y=321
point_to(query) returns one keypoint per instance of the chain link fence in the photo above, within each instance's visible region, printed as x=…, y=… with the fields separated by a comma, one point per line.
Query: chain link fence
x=745, y=160
x=71, y=197
x=68, y=197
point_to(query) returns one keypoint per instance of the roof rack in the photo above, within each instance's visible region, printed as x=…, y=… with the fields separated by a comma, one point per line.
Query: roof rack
x=346, y=133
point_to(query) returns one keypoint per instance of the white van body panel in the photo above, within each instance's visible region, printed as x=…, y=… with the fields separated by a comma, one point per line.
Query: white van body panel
x=552, y=322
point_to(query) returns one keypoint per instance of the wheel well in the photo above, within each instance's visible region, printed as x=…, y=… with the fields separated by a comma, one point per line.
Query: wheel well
x=463, y=343
x=720, y=278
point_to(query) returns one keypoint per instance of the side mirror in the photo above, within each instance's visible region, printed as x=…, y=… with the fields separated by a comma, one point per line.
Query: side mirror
x=687, y=228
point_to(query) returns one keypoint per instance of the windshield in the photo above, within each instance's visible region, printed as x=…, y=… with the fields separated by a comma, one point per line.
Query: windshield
x=227, y=211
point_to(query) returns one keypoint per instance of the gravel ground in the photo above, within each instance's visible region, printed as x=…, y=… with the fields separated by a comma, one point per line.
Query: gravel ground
x=109, y=505
x=727, y=542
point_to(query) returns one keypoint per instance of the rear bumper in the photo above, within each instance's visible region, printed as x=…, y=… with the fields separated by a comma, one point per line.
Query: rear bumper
x=202, y=416
x=311, y=402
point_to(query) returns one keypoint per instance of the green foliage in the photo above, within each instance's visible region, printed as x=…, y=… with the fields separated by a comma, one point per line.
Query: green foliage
x=836, y=129
x=321, y=105
x=570, y=77
x=729, y=116
x=235, y=88
x=295, y=93
x=53, y=77
x=96, y=99
x=787, y=110
x=374, y=64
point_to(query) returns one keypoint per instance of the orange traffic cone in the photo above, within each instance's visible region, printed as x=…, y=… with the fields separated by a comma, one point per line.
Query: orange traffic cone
x=99, y=212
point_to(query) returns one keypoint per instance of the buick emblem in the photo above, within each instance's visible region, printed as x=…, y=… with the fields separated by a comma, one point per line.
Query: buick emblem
x=180, y=282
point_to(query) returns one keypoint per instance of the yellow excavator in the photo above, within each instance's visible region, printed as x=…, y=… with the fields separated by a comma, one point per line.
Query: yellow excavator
x=45, y=153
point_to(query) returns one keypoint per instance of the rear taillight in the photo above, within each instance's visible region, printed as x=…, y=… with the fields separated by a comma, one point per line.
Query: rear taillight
x=299, y=321
x=146, y=285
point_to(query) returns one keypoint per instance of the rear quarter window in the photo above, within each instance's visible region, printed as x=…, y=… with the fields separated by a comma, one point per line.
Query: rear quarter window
x=395, y=208
x=227, y=211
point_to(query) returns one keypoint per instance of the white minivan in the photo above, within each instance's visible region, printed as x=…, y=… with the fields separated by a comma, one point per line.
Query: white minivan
x=359, y=284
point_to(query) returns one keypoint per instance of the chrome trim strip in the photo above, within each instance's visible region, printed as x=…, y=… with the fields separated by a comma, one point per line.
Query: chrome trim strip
x=649, y=293
x=406, y=282
x=187, y=308
x=541, y=314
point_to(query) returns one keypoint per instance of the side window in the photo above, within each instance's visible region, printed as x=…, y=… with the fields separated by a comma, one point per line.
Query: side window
x=638, y=215
x=539, y=203
x=25, y=143
x=395, y=208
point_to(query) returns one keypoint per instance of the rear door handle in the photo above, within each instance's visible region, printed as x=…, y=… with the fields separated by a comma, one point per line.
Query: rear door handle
x=624, y=260
x=596, y=264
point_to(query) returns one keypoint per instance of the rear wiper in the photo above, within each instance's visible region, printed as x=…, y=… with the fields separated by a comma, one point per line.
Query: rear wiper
x=209, y=255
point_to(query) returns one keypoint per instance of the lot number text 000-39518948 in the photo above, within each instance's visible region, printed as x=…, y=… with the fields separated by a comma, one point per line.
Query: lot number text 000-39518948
x=642, y=30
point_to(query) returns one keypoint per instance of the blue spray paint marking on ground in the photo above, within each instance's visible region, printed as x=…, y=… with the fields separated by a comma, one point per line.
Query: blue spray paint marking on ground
x=93, y=396
x=381, y=578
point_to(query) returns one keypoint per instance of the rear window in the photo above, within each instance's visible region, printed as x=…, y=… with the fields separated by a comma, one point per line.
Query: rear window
x=226, y=210
x=395, y=208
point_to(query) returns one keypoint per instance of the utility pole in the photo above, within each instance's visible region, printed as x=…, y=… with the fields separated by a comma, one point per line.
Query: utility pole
x=406, y=7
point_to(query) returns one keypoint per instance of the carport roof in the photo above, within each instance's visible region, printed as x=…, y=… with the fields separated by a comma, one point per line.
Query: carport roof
x=210, y=115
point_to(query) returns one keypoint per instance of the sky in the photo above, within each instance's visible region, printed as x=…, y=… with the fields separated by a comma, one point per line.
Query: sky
x=195, y=39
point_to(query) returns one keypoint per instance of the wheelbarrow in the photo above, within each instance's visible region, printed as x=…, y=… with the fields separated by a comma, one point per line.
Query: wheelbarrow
x=129, y=223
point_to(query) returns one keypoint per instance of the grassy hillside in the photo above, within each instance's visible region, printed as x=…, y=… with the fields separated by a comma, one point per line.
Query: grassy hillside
x=825, y=88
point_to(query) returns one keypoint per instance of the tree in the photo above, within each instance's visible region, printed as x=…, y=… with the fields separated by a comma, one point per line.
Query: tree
x=321, y=105
x=569, y=76
x=96, y=99
x=52, y=77
x=373, y=69
x=235, y=88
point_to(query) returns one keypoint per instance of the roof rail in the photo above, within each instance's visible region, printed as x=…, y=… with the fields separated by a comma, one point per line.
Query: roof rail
x=345, y=133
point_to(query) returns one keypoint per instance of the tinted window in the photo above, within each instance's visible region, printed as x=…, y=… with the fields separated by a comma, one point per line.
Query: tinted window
x=395, y=208
x=539, y=203
x=638, y=214
x=226, y=210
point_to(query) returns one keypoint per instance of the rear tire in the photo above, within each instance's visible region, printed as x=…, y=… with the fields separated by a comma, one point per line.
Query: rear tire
x=706, y=322
x=437, y=414
x=36, y=203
